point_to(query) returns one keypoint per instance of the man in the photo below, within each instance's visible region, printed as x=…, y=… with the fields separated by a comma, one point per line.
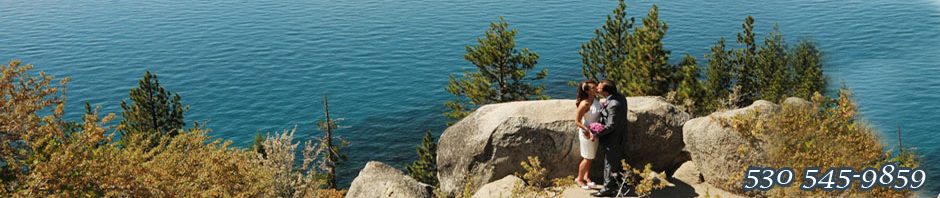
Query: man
x=614, y=117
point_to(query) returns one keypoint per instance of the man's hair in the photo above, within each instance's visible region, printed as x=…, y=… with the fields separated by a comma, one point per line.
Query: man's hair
x=608, y=86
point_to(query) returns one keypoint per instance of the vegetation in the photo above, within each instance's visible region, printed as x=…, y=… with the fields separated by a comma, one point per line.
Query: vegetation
x=501, y=74
x=424, y=169
x=826, y=133
x=45, y=155
x=327, y=149
x=535, y=182
x=637, y=61
x=153, y=112
x=644, y=181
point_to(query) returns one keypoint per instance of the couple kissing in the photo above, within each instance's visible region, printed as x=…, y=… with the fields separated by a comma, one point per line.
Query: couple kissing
x=601, y=118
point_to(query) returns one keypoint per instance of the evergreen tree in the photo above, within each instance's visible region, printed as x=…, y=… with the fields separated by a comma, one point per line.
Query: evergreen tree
x=153, y=112
x=329, y=152
x=806, y=60
x=648, y=70
x=745, y=64
x=719, y=76
x=773, y=71
x=424, y=169
x=603, y=56
x=689, y=90
x=258, y=145
x=501, y=74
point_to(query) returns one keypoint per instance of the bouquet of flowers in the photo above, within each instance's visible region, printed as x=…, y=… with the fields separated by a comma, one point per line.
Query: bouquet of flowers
x=596, y=127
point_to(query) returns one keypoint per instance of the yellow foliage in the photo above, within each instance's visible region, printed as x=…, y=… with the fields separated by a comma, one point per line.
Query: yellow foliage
x=43, y=157
x=824, y=134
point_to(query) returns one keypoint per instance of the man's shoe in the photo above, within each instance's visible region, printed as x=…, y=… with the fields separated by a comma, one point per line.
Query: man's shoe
x=604, y=193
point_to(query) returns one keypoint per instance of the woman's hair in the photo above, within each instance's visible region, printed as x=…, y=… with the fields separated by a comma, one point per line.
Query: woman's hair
x=583, y=88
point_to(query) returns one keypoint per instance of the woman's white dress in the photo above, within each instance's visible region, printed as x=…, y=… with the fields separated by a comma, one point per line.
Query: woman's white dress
x=588, y=147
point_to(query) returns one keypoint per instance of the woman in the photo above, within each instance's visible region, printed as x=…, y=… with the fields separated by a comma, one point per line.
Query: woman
x=588, y=112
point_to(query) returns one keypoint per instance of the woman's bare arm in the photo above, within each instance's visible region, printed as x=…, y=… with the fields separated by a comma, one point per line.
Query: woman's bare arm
x=583, y=107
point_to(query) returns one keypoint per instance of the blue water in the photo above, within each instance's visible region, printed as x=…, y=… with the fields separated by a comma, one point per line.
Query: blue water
x=250, y=66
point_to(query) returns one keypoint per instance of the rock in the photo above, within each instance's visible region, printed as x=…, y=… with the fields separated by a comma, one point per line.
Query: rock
x=655, y=134
x=381, y=180
x=719, y=152
x=499, y=188
x=492, y=141
x=797, y=102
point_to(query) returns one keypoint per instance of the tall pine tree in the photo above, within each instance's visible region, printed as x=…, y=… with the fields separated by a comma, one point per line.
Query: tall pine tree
x=745, y=64
x=502, y=73
x=603, y=56
x=719, y=76
x=648, y=70
x=328, y=148
x=774, y=74
x=806, y=60
x=689, y=89
x=152, y=113
x=424, y=169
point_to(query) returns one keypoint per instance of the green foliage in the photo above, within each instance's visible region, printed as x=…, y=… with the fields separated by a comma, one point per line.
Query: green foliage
x=153, y=111
x=745, y=63
x=328, y=148
x=773, y=73
x=689, y=89
x=604, y=56
x=806, y=60
x=635, y=61
x=501, y=74
x=718, y=83
x=826, y=133
x=424, y=169
x=257, y=144
x=647, y=67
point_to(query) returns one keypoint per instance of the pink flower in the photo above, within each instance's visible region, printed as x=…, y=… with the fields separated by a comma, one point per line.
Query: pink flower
x=596, y=127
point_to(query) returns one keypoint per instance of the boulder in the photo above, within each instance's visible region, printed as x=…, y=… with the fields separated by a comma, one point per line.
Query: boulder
x=499, y=188
x=491, y=142
x=654, y=134
x=721, y=153
x=381, y=180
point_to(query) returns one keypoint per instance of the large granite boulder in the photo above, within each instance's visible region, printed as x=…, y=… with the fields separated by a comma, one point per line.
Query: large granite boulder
x=499, y=188
x=491, y=142
x=721, y=153
x=381, y=180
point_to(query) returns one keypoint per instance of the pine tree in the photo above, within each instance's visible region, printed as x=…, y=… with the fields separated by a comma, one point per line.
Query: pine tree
x=258, y=145
x=745, y=64
x=424, y=169
x=501, y=75
x=648, y=70
x=806, y=60
x=689, y=89
x=719, y=76
x=603, y=56
x=329, y=152
x=153, y=113
x=773, y=71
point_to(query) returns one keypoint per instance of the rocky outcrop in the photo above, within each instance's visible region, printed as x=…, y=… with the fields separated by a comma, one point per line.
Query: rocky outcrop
x=655, y=134
x=491, y=142
x=499, y=188
x=380, y=180
x=720, y=152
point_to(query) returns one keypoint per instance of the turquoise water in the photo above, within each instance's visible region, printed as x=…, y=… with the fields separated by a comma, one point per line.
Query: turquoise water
x=250, y=66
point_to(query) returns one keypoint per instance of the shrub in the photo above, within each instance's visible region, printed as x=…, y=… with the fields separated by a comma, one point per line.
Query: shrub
x=824, y=134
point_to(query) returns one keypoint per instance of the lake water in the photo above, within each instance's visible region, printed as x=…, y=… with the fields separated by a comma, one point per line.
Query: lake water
x=250, y=66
